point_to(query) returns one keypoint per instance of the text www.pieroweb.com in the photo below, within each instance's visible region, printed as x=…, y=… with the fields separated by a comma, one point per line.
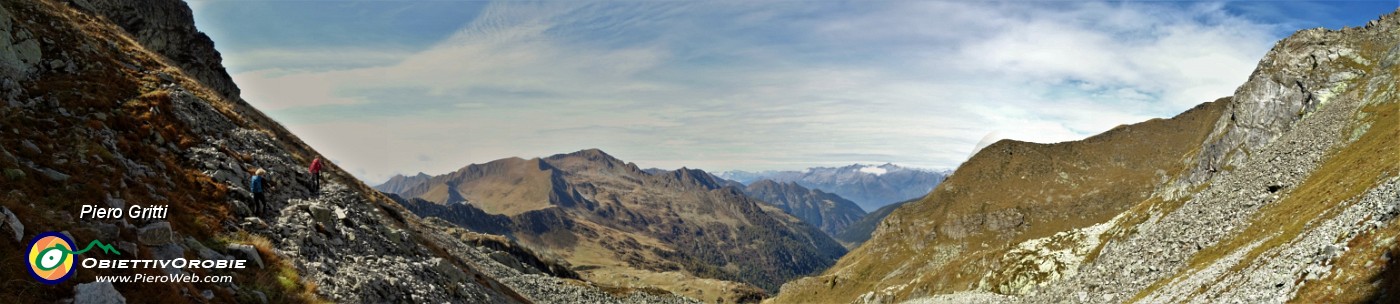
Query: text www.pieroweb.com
x=166, y=278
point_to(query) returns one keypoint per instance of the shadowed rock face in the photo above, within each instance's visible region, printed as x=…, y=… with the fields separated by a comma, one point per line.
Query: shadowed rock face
x=1250, y=198
x=604, y=216
x=826, y=211
x=167, y=28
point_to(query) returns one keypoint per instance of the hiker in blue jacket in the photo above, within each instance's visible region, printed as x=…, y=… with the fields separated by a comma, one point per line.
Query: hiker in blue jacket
x=257, y=185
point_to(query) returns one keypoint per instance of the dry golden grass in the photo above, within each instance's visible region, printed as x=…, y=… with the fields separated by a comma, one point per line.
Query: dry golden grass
x=1344, y=175
x=1367, y=273
x=508, y=186
x=1035, y=189
x=279, y=280
x=1372, y=158
x=623, y=280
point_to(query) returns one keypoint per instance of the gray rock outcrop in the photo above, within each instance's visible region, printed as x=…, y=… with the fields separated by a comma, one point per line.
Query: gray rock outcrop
x=167, y=27
x=11, y=224
x=19, y=51
x=1284, y=127
x=156, y=234
x=246, y=252
x=97, y=293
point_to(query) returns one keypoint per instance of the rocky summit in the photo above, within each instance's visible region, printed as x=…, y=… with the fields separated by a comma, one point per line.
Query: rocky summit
x=124, y=105
x=1284, y=192
x=400, y=183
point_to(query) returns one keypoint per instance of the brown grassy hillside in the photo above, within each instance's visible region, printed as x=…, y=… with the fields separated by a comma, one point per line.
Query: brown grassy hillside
x=948, y=240
x=684, y=231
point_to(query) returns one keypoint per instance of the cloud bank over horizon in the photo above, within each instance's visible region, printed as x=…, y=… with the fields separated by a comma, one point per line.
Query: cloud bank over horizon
x=727, y=85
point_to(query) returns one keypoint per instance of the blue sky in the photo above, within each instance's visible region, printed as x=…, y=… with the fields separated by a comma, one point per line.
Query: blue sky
x=386, y=87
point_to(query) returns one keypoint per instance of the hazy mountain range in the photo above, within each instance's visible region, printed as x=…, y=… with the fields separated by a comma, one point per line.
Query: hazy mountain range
x=869, y=186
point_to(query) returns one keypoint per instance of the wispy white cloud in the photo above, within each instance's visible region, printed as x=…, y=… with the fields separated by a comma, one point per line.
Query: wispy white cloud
x=761, y=85
x=286, y=60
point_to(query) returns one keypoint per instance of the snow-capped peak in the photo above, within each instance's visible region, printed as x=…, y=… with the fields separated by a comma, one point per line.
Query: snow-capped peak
x=873, y=170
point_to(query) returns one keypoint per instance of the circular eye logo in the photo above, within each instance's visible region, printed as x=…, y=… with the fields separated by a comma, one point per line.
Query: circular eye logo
x=50, y=258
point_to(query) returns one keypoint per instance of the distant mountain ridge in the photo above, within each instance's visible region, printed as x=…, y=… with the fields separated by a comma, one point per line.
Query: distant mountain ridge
x=869, y=186
x=859, y=231
x=829, y=212
x=617, y=223
x=400, y=183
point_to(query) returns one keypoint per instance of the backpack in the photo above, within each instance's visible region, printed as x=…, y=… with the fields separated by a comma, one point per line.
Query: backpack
x=256, y=185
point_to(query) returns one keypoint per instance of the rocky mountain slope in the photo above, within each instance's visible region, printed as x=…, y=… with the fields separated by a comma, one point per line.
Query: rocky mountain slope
x=166, y=27
x=826, y=211
x=1285, y=191
x=684, y=230
x=869, y=186
x=859, y=231
x=120, y=104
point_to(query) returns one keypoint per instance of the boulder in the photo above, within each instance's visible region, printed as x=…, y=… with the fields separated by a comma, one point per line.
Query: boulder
x=31, y=146
x=156, y=234
x=445, y=268
x=19, y=51
x=128, y=248
x=54, y=175
x=105, y=231
x=322, y=215
x=97, y=293
x=9, y=222
x=202, y=251
x=115, y=202
x=169, y=252
x=227, y=176
x=246, y=252
x=262, y=297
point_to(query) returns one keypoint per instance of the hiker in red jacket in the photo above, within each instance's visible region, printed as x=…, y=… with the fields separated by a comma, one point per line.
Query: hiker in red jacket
x=316, y=176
